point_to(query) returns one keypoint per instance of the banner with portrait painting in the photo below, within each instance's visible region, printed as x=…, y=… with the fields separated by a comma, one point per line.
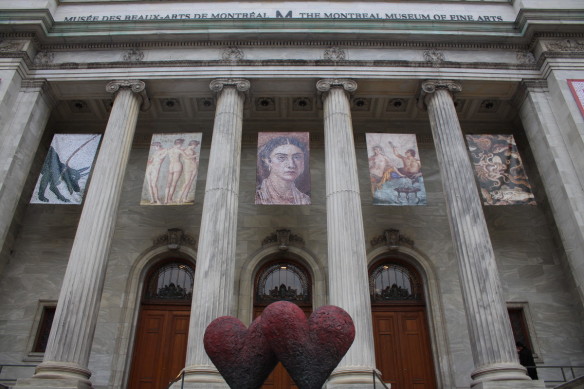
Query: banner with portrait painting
x=395, y=170
x=66, y=169
x=499, y=170
x=172, y=169
x=283, y=174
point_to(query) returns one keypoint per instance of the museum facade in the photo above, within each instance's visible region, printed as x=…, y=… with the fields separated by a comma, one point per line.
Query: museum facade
x=419, y=164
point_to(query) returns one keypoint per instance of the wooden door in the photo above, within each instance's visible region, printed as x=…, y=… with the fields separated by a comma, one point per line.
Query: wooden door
x=402, y=348
x=160, y=346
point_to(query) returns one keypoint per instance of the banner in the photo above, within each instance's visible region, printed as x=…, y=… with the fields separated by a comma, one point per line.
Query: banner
x=283, y=174
x=172, y=169
x=66, y=169
x=499, y=170
x=395, y=170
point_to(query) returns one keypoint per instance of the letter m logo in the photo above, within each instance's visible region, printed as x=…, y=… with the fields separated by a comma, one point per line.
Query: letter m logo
x=279, y=14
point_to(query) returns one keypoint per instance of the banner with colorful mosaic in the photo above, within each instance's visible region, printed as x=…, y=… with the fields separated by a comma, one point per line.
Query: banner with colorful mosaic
x=395, y=169
x=577, y=88
x=172, y=169
x=66, y=169
x=283, y=174
x=499, y=170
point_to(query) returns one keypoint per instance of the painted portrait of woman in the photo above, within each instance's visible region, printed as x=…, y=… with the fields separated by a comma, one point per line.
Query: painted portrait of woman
x=283, y=176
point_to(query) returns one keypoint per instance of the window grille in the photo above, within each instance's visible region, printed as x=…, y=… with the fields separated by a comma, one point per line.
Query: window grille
x=391, y=281
x=283, y=280
x=171, y=281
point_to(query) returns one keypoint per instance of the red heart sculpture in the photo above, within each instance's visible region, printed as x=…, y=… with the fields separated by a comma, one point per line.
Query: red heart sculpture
x=308, y=349
x=242, y=356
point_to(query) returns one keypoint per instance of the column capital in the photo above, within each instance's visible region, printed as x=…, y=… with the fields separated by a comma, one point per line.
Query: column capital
x=430, y=86
x=240, y=84
x=326, y=84
x=136, y=86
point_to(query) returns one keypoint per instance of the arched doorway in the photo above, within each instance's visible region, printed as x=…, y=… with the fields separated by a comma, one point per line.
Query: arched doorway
x=402, y=344
x=282, y=280
x=163, y=323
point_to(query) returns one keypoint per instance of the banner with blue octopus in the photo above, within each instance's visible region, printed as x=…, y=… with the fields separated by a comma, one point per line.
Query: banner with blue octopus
x=395, y=170
x=66, y=169
x=499, y=170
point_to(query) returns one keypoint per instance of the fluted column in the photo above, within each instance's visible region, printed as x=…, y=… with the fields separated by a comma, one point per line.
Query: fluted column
x=214, y=276
x=347, y=261
x=492, y=344
x=22, y=128
x=67, y=354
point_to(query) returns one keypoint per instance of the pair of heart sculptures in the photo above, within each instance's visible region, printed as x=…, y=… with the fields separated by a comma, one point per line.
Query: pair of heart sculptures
x=309, y=349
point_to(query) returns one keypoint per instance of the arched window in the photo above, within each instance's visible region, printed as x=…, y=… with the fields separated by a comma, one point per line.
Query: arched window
x=283, y=280
x=171, y=281
x=392, y=280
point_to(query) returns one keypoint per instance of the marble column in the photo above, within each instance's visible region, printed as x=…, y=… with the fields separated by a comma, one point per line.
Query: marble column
x=67, y=354
x=491, y=337
x=214, y=289
x=21, y=134
x=348, y=279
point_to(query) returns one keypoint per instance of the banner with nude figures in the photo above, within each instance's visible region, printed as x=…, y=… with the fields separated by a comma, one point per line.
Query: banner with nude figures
x=499, y=170
x=66, y=169
x=172, y=169
x=395, y=170
x=283, y=174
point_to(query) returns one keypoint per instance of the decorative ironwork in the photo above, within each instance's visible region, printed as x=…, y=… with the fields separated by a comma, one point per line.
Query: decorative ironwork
x=283, y=280
x=171, y=281
x=391, y=281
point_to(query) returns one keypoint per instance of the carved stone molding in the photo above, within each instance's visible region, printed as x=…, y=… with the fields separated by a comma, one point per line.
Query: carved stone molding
x=392, y=239
x=11, y=45
x=133, y=55
x=42, y=86
x=436, y=57
x=565, y=45
x=44, y=58
x=335, y=54
x=218, y=84
x=283, y=238
x=325, y=85
x=174, y=239
x=136, y=86
x=232, y=54
x=526, y=87
x=525, y=57
x=430, y=86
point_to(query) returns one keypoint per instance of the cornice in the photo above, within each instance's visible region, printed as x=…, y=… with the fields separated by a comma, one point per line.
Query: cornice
x=286, y=62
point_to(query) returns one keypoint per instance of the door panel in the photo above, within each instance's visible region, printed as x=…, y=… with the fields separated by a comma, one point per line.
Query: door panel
x=402, y=347
x=160, y=346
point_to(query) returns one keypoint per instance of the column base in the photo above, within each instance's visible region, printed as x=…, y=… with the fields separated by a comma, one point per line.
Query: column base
x=57, y=375
x=201, y=377
x=51, y=383
x=510, y=385
x=355, y=377
x=500, y=373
